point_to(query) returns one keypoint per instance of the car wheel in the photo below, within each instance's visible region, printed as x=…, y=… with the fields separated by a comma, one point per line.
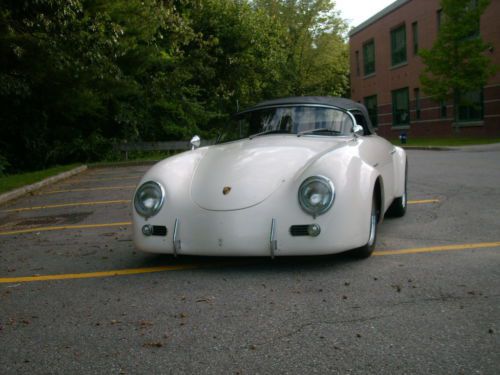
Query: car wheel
x=398, y=206
x=367, y=250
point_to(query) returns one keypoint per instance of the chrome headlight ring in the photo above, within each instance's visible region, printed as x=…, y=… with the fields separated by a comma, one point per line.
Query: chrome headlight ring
x=149, y=199
x=316, y=195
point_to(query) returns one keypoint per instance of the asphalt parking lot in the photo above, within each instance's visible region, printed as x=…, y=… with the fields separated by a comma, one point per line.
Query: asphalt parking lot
x=75, y=297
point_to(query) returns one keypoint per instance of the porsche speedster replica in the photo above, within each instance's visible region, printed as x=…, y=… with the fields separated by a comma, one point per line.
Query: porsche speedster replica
x=302, y=176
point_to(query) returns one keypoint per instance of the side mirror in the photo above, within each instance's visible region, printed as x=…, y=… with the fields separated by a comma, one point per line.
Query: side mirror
x=358, y=130
x=195, y=142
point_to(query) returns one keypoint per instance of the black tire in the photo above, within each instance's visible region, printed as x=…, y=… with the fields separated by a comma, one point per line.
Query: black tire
x=398, y=205
x=367, y=250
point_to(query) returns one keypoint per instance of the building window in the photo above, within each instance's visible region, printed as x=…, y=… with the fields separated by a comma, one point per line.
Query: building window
x=371, y=106
x=398, y=45
x=357, y=63
x=469, y=106
x=416, y=93
x=443, y=109
x=400, y=107
x=414, y=29
x=369, y=57
x=439, y=15
x=475, y=26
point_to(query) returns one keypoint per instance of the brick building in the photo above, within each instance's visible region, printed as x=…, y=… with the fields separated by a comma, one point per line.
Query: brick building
x=385, y=71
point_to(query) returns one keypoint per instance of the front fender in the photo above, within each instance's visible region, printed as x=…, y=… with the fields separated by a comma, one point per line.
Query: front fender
x=175, y=173
x=354, y=181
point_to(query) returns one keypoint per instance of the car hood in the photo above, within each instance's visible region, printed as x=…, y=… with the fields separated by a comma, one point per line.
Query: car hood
x=244, y=173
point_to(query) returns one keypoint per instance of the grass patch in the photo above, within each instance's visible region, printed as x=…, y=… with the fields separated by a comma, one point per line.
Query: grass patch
x=446, y=142
x=15, y=181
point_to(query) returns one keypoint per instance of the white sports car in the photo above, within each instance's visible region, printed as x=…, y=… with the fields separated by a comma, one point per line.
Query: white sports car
x=303, y=176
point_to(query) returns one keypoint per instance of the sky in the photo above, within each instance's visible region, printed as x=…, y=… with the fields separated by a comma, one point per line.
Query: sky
x=357, y=11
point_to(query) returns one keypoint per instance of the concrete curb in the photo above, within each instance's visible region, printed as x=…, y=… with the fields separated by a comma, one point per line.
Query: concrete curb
x=429, y=148
x=16, y=193
x=469, y=148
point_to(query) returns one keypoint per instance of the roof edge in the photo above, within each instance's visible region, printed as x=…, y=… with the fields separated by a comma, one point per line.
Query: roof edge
x=333, y=101
x=384, y=12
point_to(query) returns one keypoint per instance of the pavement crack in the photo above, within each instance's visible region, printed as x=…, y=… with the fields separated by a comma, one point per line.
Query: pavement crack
x=316, y=323
x=444, y=298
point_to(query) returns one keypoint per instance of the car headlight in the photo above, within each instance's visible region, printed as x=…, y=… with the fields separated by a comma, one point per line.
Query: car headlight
x=316, y=195
x=149, y=198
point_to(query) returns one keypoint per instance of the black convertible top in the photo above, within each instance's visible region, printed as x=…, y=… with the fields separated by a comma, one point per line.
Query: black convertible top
x=342, y=103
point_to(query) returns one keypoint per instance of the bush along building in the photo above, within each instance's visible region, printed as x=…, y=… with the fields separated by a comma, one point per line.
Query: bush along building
x=407, y=93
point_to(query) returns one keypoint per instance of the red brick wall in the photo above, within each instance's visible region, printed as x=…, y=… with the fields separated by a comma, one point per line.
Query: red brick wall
x=388, y=78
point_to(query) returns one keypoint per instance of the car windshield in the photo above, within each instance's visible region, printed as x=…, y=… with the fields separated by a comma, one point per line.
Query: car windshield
x=300, y=120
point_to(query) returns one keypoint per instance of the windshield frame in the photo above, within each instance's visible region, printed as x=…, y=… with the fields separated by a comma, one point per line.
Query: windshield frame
x=240, y=116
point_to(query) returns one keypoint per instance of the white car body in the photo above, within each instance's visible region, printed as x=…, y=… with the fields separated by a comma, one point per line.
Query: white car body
x=241, y=198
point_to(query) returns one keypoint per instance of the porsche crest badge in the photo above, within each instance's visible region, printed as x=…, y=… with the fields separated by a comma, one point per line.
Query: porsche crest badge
x=226, y=190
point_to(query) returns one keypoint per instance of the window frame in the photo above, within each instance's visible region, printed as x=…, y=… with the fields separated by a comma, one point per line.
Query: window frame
x=443, y=109
x=395, y=109
x=414, y=29
x=356, y=57
x=368, y=69
x=418, y=111
x=402, y=51
x=372, y=112
x=469, y=118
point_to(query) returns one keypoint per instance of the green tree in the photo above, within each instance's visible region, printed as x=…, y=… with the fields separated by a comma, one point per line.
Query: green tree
x=239, y=57
x=155, y=100
x=317, y=52
x=78, y=75
x=55, y=61
x=458, y=62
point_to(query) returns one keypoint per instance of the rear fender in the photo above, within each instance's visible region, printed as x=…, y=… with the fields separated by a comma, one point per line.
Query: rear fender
x=399, y=172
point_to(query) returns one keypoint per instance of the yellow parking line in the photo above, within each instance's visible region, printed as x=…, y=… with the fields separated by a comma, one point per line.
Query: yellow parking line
x=89, y=275
x=63, y=227
x=104, y=179
x=135, y=271
x=130, y=271
x=66, y=205
x=5, y=225
x=422, y=201
x=87, y=189
x=128, y=201
x=439, y=248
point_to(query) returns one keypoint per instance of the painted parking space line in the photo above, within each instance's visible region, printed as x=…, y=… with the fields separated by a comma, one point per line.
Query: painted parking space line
x=75, y=204
x=136, y=271
x=113, y=171
x=87, y=189
x=432, y=249
x=91, y=275
x=82, y=180
x=120, y=201
x=423, y=201
x=5, y=225
x=64, y=227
